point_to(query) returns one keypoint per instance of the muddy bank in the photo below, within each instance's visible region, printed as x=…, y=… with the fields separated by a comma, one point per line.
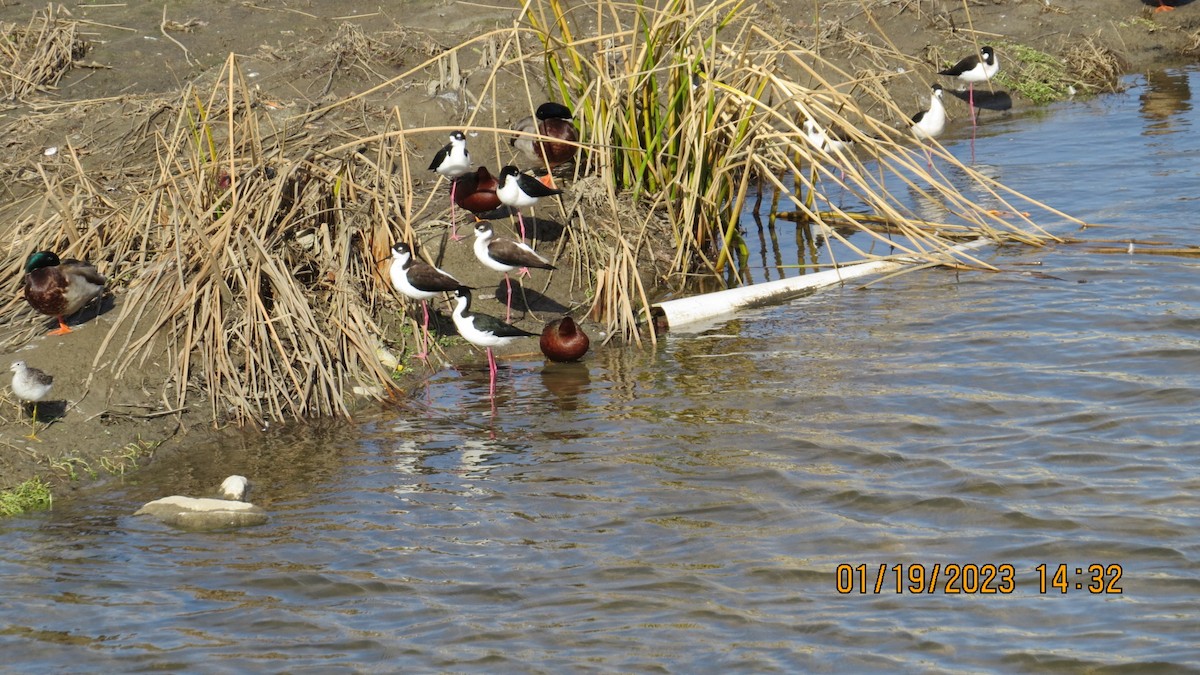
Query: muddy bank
x=298, y=58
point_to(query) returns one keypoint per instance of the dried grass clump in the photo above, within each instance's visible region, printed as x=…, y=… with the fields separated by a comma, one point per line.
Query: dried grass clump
x=245, y=261
x=1192, y=48
x=36, y=55
x=690, y=105
x=1093, y=64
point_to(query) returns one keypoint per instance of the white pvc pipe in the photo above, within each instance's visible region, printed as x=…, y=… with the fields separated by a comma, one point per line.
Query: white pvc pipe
x=697, y=312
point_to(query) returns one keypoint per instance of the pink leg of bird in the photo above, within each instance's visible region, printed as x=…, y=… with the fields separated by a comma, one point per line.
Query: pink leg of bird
x=424, y=353
x=971, y=101
x=521, y=223
x=491, y=374
x=508, y=300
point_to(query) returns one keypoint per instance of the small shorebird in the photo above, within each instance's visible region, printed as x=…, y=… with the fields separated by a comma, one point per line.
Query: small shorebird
x=484, y=331
x=562, y=340
x=506, y=255
x=420, y=281
x=828, y=143
x=517, y=190
x=59, y=288
x=553, y=120
x=30, y=386
x=979, y=67
x=931, y=122
x=452, y=161
x=825, y=141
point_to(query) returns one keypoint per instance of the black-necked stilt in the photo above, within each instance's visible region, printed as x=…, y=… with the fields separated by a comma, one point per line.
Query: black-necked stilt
x=452, y=161
x=829, y=143
x=931, y=122
x=420, y=281
x=31, y=386
x=979, y=67
x=477, y=192
x=517, y=190
x=484, y=331
x=59, y=288
x=506, y=255
x=823, y=140
x=563, y=340
x=552, y=120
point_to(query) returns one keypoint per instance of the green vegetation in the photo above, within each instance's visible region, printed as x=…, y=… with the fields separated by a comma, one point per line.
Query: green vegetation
x=32, y=495
x=1042, y=77
x=1035, y=75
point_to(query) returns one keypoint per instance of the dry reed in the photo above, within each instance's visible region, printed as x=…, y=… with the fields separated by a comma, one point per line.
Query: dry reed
x=35, y=56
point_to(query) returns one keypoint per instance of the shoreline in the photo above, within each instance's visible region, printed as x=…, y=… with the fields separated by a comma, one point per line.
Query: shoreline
x=114, y=426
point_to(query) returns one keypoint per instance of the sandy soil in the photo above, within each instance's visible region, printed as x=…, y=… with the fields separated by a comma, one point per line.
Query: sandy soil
x=133, y=64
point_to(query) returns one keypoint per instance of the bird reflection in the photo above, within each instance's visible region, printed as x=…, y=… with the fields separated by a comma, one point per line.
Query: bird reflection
x=1166, y=95
x=566, y=381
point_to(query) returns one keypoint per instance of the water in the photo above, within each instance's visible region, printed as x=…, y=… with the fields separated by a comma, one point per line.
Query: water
x=687, y=510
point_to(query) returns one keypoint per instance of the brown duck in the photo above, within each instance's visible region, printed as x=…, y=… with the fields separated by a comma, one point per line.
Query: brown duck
x=59, y=288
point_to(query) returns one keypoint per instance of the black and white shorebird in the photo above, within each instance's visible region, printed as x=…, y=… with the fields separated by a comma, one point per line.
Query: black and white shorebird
x=484, y=331
x=506, y=255
x=931, y=122
x=517, y=190
x=420, y=281
x=830, y=143
x=979, y=67
x=823, y=140
x=452, y=161
x=31, y=386
x=552, y=120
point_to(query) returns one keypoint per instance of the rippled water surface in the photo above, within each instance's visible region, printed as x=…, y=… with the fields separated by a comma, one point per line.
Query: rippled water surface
x=687, y=509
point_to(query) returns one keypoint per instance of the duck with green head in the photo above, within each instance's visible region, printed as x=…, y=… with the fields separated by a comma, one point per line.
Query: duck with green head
x=59, y=288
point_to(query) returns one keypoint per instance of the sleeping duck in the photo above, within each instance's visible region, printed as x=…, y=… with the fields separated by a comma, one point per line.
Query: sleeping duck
x=59, y=288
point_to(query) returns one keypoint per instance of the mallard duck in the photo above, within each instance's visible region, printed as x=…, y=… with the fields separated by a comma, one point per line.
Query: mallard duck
x=553, y=120
x=59, y=288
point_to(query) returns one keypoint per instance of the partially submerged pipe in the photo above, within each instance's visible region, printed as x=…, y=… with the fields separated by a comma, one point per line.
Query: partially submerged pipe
x=704, y=309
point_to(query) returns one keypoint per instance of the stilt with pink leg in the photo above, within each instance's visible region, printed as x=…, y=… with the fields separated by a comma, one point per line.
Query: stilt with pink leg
x=506, y=255
x=417, y=279
x=979, y=67
x=453, y=161
x=930, y=123
x=517, y=190
x=484, y=331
